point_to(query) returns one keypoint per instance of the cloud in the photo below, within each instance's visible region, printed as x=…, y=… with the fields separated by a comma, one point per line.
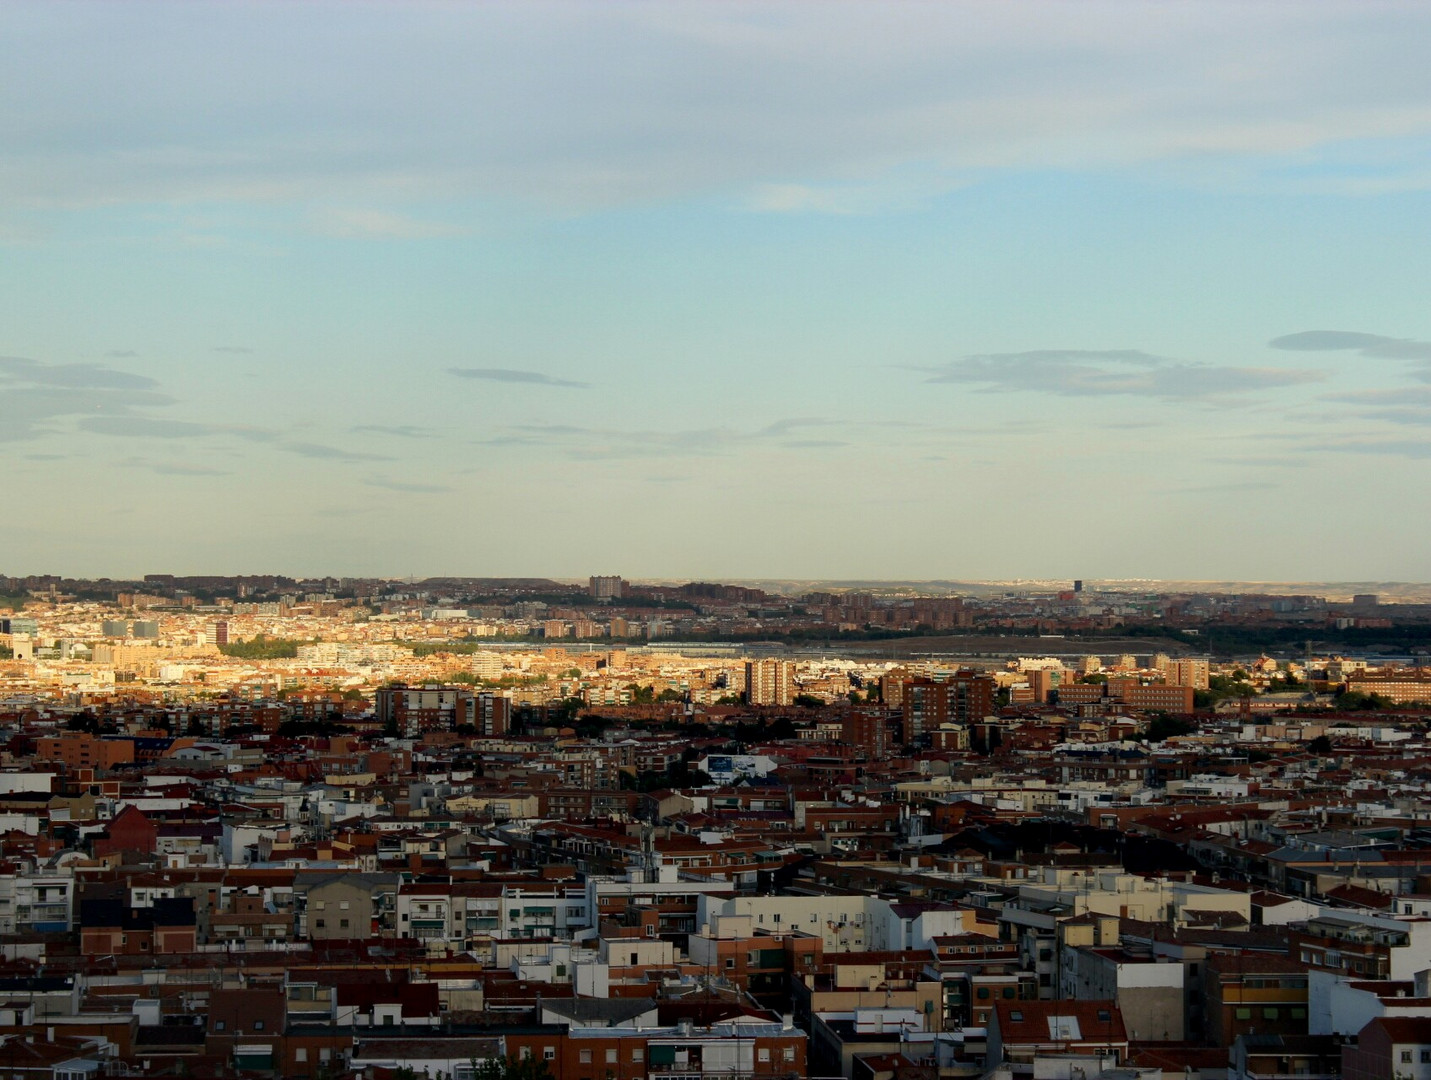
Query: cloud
x=402, y=431
x=172, y=468
x=329, y=453
x=1351, y=340
x=783, y=100
x=1264, y=461
x=355, y=224
x=398, y=485
x=19, y=369
x=121, y=354
x=33, y=393
x=144, y=427
x=1098, y=373
x=1211, y=489
x=510, y=375
x=1408, y=448
x=1408, y=405
x=591, y=443
x=152, y=427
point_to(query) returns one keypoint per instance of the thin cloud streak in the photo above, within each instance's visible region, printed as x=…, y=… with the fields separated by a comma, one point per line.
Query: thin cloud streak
x=1112, y=372
x=511, y=375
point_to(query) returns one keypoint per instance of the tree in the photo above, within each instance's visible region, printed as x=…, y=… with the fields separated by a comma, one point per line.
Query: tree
x=1164, y=726
x=808, y=701
x=511, y=1068
x=1322, y=744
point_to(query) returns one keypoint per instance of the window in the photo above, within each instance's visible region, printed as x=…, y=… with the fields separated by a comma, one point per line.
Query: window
x=1406, y=1057
x=525, y=1053
x=343, y=923
x=258, y=1025
x=611, y=1056
x=788, y=1053
x=343, y=905
x=1244, y=1014
x=1016, y=1016
x=764, y=1053
x=982, y=993
x=549, y=1053
x=321, y=924
x=1269, y=1014
x=219, y=1025
x=1009, y=991
x=638, y=1054
x=325, y=1054
x=300, y=1054
x=730, y=963
x=585, y=1057
x=1426, y=1057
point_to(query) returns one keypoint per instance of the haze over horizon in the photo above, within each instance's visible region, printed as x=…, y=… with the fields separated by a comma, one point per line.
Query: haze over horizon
x=880, y=292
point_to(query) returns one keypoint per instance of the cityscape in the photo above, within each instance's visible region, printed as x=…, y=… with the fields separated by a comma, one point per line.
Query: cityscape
x=715, y=540
x=460, y=827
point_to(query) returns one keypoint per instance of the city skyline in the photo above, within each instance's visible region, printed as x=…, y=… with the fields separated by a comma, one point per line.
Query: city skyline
x=717, y=292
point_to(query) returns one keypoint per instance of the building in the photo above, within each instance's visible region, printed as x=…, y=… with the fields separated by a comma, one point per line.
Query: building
x=965, y=697
x=413, y=711
x=1390, y=1047
x=1247, y=994
x=769, y=682
x=609, y=587
x=492, y=714
x=1192, y=673
x=217, y=632
x=1020, y=1031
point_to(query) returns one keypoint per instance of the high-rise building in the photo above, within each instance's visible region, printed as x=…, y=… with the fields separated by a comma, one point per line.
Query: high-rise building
x=145, y=628
x=965, y=697
x=217, y=632
x=866, y=731
x=413, y=710
x=609, y=587
x=493, y=714
x=114, y=628
x=1192, y=673
x=769, y=682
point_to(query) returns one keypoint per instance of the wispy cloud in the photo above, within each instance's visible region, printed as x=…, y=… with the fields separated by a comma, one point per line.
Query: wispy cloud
x=173, y=468
x=401, y=431
x=1374, y=345
x=20, y=369
x=1404, y=405
x=236, y=350
x=369, y=224
x=1101, y=373
x=511, y=375
x=128, y=426
x=407, y=486
x=1231, y=486
x=591, y=443
x=33, y=393
x=321, y=452
x=121, y=354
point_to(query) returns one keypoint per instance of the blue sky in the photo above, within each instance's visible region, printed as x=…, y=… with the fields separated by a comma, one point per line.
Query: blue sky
x=898, y=291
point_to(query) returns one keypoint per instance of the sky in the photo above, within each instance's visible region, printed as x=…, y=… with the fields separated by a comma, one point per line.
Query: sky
x=717, y=291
